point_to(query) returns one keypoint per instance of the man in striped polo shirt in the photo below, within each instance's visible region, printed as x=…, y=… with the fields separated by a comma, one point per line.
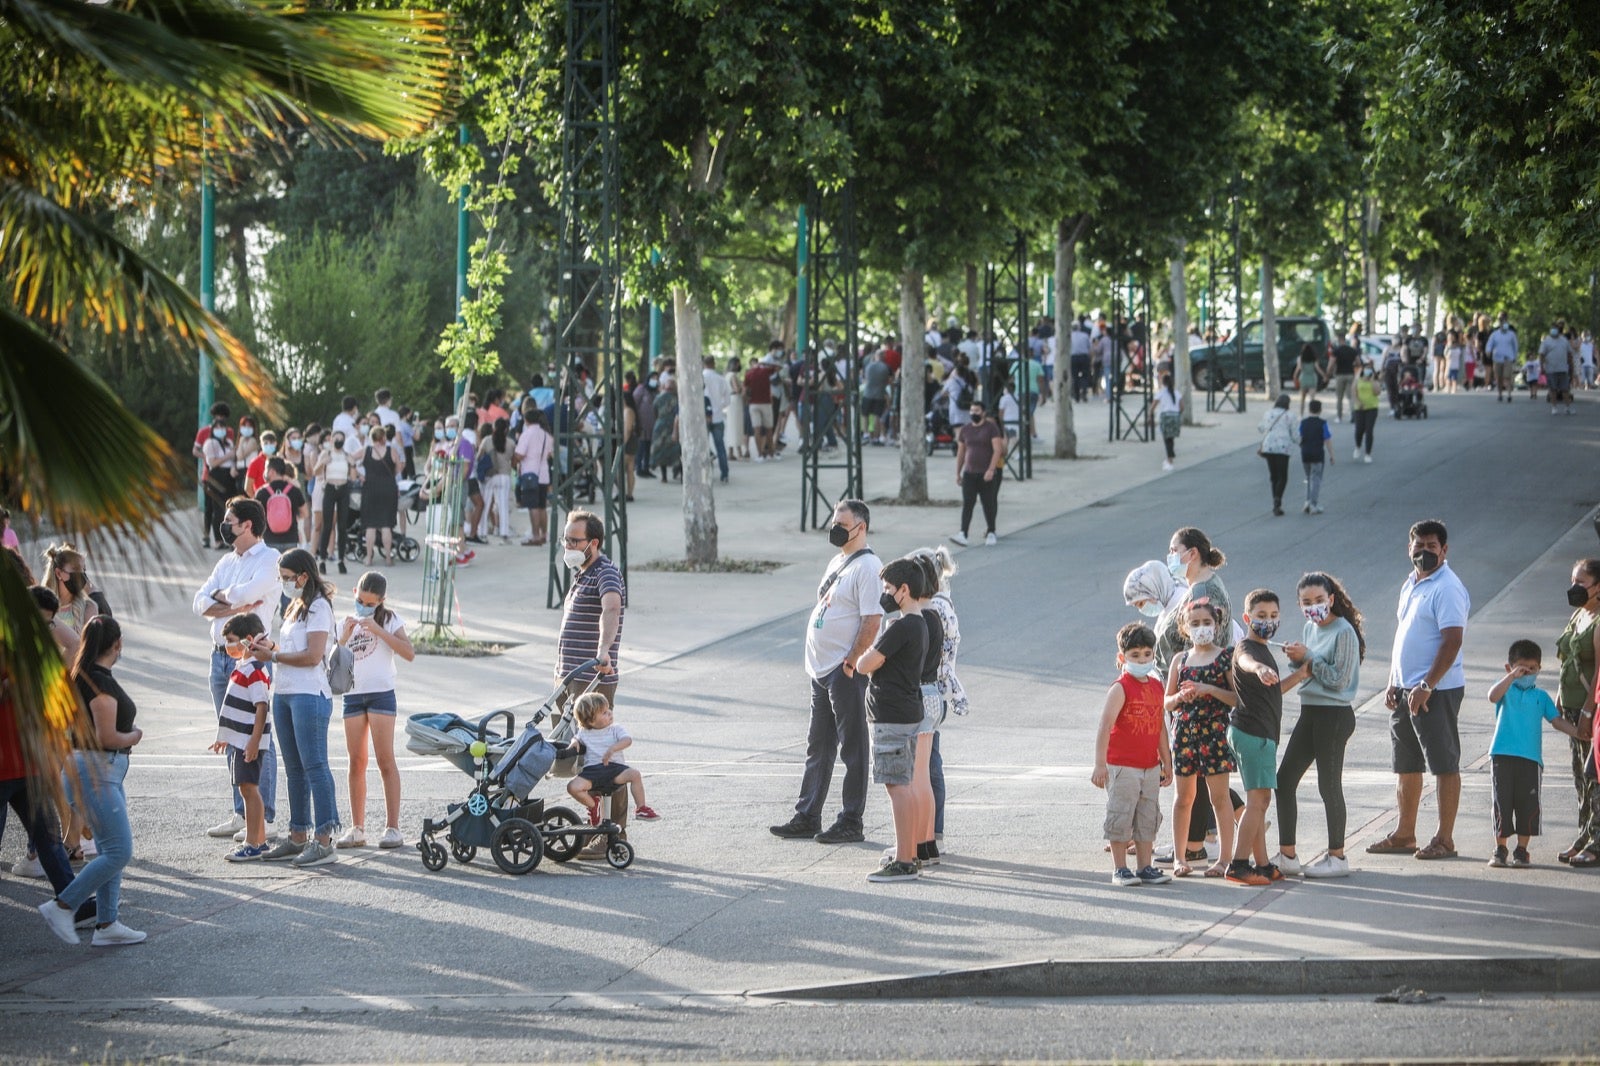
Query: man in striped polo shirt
x=591, y=628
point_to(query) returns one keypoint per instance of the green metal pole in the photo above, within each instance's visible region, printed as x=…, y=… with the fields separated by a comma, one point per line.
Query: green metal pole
x=208, y=301
x=655, y=319
x=461, y=262
x=802, y=267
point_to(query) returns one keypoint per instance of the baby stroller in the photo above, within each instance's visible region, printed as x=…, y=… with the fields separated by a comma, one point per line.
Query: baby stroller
x=1411, y=404
x=499, y=813
x=406, y=548
x=940, y=433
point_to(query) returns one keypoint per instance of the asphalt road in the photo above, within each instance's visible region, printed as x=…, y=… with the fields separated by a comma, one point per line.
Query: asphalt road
x=355, y=952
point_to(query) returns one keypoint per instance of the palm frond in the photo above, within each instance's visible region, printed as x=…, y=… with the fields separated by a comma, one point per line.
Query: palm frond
x=64, y=268
x=73, y=452
x=42, y=698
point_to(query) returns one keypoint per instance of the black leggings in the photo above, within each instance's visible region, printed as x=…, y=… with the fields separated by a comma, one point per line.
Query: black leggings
x=1171, y=451
x=335, y=519
x=1319, y=736
x=1278, y=468
x=975, y=488
x=1201, y=818
x=1365, y=419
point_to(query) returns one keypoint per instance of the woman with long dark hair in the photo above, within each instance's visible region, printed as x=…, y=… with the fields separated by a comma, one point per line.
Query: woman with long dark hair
x=380, y=491
x=302, y=706
x=498, y=487
x=1327, y=661
x=99, y=768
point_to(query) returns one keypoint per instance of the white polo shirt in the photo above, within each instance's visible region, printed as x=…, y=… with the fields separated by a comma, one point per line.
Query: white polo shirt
x=1427, y=607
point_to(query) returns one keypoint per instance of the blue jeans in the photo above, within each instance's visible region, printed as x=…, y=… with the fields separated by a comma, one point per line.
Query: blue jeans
x=27, y=796
x=936, y=775
x=97, y=792
x=300, y=727
x=721, y=445
x=221, y=667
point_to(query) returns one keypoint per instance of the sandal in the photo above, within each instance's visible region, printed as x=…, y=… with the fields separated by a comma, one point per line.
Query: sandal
x=1389, y=845
x=1584, y=859
x=1578, y=847
x=1436, y=850
x=1182, y=869
x=1217, y=869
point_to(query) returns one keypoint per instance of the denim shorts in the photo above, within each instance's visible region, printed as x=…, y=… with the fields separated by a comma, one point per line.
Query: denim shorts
x=357, y=704
x=932, y=709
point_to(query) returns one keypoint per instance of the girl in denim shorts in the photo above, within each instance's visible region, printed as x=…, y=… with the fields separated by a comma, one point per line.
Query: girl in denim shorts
x=375, y=635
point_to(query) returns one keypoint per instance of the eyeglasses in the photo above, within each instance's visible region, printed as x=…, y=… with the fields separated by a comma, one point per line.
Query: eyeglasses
x=575, y=542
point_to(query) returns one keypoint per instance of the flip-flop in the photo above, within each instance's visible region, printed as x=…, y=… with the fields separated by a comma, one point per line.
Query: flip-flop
x=1217, y=870
x=1436, y=850
x=1390, y=846
x=1182, y=869
x=1583, y=860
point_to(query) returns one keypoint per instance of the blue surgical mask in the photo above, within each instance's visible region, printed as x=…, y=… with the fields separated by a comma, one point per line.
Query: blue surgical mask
x=1175, y=565
x=1150, y=609
x=1139, y=671
x=449, y=434
x=1527, y=681
x=363, y=611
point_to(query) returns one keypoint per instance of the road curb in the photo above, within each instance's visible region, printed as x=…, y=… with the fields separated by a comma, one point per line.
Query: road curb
x=1256, y=977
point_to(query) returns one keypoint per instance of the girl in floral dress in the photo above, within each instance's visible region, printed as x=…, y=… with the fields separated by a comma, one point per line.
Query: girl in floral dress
x=1199, y=696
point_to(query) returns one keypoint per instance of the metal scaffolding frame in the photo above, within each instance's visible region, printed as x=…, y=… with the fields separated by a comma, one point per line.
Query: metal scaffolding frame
x=1225, y=275
x=1005, y=319
x=832, y=301
x=589, y=404
x=1132, y=410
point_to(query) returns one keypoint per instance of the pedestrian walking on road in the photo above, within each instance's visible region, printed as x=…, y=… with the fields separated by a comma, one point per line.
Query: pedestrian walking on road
x=980, y=458
x=1169, y=415
x=96, y=787
x=1327, y=671
x=1426, y=683
x=1279, y=436
x=1578, y=649
x=1316, y=453
x=1556, y=357
x=1365, y=413
x=843, y=624
x=1501, y=347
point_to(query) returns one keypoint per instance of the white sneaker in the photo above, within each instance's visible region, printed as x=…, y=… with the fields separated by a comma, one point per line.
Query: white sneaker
x=28, y=867
x=1329, y=866
x=272, y=835
x=959, y=538
x=354, y=837
x=989, y=539
x=1166, y=464
x=1357, y=454
x=115, y=934
x=1290, y=865
x=234, y=823
x=391, y=838
x=1366, y=459
x=59, y=920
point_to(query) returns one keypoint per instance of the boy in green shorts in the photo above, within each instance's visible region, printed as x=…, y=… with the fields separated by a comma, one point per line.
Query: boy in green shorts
x=1253, y=730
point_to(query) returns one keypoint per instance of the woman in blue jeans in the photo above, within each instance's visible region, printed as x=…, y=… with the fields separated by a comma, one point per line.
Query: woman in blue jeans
x=302, y=706
x=95, y=784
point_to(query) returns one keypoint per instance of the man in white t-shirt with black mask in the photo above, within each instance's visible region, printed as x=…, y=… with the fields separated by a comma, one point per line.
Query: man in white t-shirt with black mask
x=843, y=624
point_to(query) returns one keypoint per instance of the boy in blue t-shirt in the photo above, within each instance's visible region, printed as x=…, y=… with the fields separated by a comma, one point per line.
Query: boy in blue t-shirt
x=1315, y=433
x=1517, y=750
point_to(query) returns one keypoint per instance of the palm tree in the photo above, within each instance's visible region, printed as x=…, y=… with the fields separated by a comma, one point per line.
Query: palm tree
x=110, y=104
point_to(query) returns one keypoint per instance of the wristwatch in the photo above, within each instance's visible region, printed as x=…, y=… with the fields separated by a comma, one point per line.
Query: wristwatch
x=1425, y=686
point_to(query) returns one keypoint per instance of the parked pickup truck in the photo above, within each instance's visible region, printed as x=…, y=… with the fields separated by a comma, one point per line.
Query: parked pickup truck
x=1227, y=363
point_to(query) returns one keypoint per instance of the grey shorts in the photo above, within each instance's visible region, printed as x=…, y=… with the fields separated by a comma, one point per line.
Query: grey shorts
x=1428, y=742
x=894, y=752
x=1133, y=803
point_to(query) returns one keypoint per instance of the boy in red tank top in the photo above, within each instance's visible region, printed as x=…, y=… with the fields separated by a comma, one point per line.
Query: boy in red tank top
x=1133, y=758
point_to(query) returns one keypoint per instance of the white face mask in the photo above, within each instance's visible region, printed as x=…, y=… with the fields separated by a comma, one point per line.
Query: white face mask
x=574, y=558
x=290, y=589
x=1140, y=670
x=1201, y=636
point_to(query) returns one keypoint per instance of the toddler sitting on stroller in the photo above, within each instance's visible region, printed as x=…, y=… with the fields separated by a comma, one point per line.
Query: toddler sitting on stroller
x=600, y=738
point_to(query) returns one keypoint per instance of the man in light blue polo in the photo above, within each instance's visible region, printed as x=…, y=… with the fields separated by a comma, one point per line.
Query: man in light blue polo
x=1502, y=350
x=1426, y=683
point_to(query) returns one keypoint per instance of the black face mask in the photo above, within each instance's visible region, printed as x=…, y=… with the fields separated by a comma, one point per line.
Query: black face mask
x=228, y=534
x=887, y=602
x=1577, y=596
x=1425, y=561
x=838, y=535
x=76, y=583
x=977, y=419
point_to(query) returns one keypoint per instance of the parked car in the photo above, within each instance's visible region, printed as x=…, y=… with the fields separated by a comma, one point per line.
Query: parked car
x=1227, y=363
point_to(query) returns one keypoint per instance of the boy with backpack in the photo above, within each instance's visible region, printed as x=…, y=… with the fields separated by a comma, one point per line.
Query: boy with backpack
x=285, y=505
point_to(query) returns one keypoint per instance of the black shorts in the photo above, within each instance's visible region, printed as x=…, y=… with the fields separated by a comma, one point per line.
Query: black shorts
x=532, y=493
x=245, y=772
x=602, y=775
x=473, y=488
x=874, y=407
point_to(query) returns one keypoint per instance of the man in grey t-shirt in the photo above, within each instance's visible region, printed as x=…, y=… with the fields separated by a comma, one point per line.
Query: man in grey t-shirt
x=875, y=378
x=1555, y=355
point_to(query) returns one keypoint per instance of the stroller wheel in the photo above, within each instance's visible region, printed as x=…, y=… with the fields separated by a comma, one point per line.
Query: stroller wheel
x=407, y=548
x=558, y=844
x=619, y=854
x=462, y=853
x=516, y=846
x=433, y=856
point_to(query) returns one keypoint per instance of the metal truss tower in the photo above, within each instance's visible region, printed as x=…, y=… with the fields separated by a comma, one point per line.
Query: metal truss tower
x=831, y=300
x=1005, y=319
x=1132, y=405
x=1225, y=278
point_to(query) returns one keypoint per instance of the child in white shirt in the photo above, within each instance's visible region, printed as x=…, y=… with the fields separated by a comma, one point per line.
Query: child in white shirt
x=601, y=738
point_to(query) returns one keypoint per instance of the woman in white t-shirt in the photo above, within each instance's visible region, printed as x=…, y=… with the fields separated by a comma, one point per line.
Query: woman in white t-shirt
x=302, y=706
x=375, y=635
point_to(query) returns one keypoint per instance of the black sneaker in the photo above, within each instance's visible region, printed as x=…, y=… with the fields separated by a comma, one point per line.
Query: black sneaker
x=795, y=828
x=1500, y=859
x=895, y=871
x=1520, y=859
x=840, y=833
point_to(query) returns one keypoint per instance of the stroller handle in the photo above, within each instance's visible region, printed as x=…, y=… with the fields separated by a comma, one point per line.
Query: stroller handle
x=576, y=670
x=483, y=724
